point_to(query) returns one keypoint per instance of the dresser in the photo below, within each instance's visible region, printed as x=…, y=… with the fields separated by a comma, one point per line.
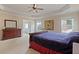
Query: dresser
x=9, y=33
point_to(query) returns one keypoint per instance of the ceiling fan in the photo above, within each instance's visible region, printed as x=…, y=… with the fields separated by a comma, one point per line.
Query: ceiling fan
x=35, y=8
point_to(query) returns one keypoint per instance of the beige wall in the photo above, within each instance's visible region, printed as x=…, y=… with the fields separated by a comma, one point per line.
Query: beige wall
x=57, y=21
x=4, y=15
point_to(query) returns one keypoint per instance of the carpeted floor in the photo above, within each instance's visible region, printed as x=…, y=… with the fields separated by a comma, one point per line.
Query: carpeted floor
x=31, y=51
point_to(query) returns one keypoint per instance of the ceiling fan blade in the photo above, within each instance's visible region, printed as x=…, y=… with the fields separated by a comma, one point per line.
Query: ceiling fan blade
x=35, y=9
x=40, y=8
x=34, y=6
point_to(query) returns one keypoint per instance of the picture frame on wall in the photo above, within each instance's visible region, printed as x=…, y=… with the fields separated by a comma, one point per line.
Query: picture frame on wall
x=49, y=24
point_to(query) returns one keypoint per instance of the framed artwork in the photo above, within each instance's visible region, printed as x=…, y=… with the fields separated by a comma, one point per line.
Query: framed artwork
x=49, y=24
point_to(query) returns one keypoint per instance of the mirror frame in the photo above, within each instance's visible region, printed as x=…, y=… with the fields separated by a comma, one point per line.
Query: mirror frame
x=5, y=23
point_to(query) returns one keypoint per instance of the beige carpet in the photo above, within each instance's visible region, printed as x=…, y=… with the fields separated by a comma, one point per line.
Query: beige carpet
x=16, y=46
x=31, y=51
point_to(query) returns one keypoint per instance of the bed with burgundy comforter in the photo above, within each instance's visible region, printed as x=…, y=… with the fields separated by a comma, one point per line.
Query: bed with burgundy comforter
x=53, y=42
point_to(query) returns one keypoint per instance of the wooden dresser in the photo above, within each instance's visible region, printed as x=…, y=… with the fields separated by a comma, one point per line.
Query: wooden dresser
x=9, y=33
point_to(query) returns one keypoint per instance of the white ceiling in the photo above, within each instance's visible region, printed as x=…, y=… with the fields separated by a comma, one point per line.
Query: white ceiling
x=23, y=9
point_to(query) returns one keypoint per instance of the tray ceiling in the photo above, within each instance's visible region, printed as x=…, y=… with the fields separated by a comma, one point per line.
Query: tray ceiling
x=23, y=9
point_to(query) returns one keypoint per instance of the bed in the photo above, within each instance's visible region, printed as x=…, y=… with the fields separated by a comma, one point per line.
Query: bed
x=53, y=42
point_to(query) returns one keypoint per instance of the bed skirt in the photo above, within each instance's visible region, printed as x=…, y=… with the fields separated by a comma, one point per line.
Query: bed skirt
x=41, y=49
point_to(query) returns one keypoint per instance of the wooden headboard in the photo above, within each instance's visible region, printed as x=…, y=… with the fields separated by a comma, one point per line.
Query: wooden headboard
x=9, y=33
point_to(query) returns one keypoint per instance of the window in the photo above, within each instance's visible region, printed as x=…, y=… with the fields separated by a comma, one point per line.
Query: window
x=38, y=25
x=26, y=26
x=67, y=25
